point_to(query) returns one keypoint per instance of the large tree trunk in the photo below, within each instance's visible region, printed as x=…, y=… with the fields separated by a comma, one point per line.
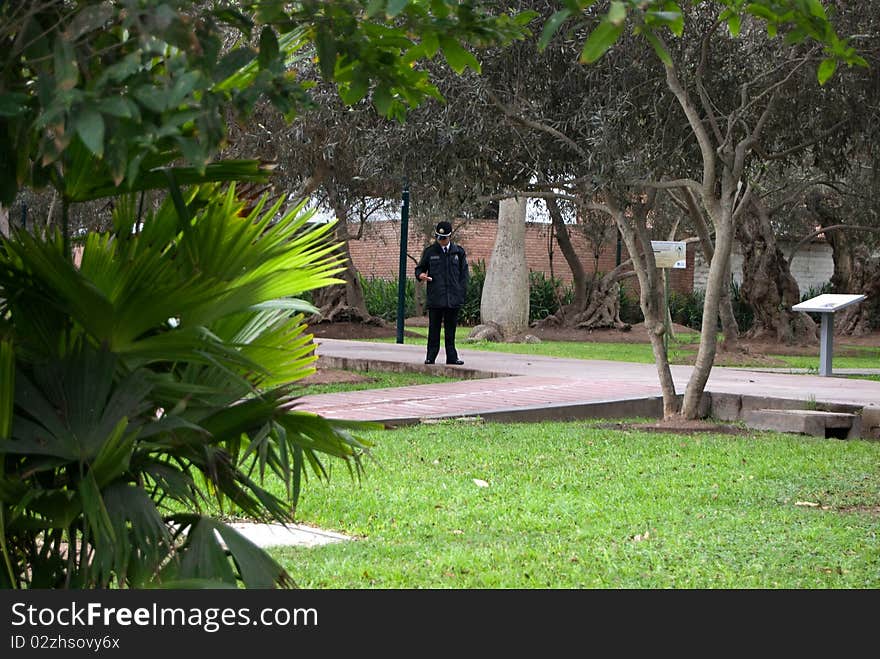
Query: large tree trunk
x=505, y=299
x=768, y=285
x=856, y=272
x=343, y=302
x=4, y=220
x=603, y=306
x=596, y=300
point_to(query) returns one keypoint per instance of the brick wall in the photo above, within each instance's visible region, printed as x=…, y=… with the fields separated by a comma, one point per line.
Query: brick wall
x=377, y=254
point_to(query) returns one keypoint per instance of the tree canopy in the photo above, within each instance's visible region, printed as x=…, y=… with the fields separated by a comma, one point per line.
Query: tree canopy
x=115, y=90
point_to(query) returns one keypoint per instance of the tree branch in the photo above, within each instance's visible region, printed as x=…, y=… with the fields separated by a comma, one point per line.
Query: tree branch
x=536, y=125
x=833, y=227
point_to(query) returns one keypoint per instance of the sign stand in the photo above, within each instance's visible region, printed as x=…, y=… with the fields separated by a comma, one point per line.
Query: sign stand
x=668, y=254
x=826, y=305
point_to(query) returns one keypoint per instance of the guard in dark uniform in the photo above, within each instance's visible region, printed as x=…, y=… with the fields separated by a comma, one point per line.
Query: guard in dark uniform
x=444, y=268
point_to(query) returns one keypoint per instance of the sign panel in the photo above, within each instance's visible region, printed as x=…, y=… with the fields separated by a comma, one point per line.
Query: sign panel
x=669, y=253
x=827, y=303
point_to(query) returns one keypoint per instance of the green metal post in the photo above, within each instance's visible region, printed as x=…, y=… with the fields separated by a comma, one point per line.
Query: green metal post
x=401, y=271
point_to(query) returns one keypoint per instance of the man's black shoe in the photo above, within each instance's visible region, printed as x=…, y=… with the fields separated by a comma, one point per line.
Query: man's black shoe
x=429, y=361
x=457, y=362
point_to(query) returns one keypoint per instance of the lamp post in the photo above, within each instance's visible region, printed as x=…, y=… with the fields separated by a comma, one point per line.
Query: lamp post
x=401, y=271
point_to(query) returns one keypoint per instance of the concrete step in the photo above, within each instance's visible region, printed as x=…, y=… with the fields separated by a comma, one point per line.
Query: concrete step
x=838, y=425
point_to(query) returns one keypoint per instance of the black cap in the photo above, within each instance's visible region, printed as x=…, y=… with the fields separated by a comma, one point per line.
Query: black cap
x=443, y=230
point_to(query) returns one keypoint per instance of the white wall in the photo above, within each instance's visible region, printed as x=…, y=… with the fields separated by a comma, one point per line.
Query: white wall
x=812, y=265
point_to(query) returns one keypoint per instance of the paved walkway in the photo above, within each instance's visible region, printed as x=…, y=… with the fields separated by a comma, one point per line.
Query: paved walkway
x=520, y=387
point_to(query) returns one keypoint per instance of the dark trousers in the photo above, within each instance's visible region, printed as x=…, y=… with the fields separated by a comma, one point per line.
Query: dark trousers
x=449, y=319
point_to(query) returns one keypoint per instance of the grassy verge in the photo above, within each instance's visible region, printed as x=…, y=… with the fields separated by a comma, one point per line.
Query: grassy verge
x=374, y=380
x=576, y=505
x=679, y=349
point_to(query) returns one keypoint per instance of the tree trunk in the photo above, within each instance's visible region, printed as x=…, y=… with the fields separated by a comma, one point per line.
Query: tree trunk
x=638, y=244
x=596, y=300
x=863, y=277
x=563, y=239
x=505, y=299
x=768, y=285
x=716, y=281
x=342, y=302
x=856, y=272
x=729, y=326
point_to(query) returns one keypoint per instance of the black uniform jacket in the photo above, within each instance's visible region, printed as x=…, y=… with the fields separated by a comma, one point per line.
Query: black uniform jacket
x=449, y=275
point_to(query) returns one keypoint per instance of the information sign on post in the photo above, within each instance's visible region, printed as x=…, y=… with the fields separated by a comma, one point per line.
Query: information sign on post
x=826, y=305
x=669, y=253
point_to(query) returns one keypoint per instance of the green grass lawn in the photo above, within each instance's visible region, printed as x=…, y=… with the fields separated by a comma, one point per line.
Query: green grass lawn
x=682, y=346
x=576, y=505
x=373, y=380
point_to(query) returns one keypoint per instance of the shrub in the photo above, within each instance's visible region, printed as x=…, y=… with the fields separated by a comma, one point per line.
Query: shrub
x=470, y=312
x=686, y=308
x=630, y=308
x=151, y=386
x=545, y=294
x=381, y=297
x=742, y=310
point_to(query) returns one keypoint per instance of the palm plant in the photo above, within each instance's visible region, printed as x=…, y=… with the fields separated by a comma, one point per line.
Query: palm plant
x=151, y=385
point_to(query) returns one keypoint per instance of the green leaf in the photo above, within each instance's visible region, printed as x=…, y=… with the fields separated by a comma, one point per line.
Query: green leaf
x=116, y=106
x=326, y=47
x=617, y=13
x=374, y=7
x=257, y=568
x=13, y=104
x=66, y=74
x=88, y=19
x=826, y=70
x=676, y=25
x=95, y=511
x=90, y=128
x=268, y=47
x=599, y=41
x=439, y=8
x=661, y=51
x=817, y=10
x=760, y=11
x=356, y=90
x=551, y=26
x=270, y=12
x=203, y=557
x=152, y=98
x=457, y=57
x=7, y=377
x=382, y=100
x=431, y=43
x=734, y=24
x=234, y=19
x=395, y=7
